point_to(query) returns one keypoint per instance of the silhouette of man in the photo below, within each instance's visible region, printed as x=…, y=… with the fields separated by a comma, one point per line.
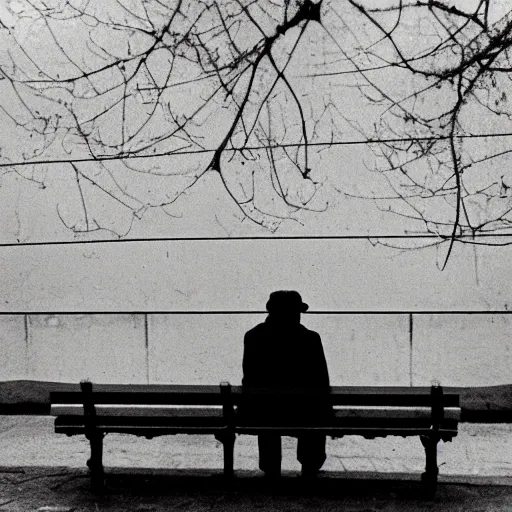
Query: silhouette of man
x=281, y=352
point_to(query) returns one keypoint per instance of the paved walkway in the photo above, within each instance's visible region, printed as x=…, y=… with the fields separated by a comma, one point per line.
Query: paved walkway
x=479, y=452
x=45, y=472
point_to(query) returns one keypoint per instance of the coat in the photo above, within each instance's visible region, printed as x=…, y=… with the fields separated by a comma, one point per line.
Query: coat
x=277, y=355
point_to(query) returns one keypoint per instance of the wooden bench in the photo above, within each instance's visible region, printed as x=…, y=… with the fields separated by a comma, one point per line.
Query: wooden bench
x=154, y=410
x=143, y=410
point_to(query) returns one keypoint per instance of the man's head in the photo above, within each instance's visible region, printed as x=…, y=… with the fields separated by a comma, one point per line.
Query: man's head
x=286, y=304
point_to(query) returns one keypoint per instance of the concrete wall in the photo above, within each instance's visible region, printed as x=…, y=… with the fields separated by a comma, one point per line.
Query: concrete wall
x=369, y=349
x=468, y=350
x=236, y=275
x=102, y=348
x=14, y=345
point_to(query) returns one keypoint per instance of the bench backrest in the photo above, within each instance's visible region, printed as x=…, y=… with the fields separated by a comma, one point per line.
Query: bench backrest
x=141, y=404
x=349, y=407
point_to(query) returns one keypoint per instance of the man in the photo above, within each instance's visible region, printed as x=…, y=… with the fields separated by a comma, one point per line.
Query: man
x=281, y=352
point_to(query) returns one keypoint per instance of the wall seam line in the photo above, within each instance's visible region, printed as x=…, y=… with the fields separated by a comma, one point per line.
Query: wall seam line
x=146, y=338
x=27, y=349
x=411, y=327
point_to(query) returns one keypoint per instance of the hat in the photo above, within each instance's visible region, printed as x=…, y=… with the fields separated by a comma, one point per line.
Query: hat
x=286, y=300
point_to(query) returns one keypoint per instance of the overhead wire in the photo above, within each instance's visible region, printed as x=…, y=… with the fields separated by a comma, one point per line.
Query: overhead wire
x=130, y=156
x=253, y=238
x=245, y=149
x=261, y=312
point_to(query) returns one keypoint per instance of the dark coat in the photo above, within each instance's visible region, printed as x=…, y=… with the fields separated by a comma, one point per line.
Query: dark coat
x=278, y=355
x=281, y=355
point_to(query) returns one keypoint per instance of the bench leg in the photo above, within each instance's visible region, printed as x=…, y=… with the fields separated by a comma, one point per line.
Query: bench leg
x=95, y=463
x=429, y=477
x=228, y=442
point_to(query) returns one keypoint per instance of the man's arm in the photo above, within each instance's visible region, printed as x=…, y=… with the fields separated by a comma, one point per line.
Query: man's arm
x=322, y=372
x=249, y=362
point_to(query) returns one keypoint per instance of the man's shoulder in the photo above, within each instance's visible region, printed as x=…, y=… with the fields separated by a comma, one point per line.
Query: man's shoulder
x=308, y=333
x=256, y=330
x=261, y=329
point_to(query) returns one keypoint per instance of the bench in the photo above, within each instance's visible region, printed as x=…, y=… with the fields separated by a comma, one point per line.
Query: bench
x=154, y=410
x=142, y=410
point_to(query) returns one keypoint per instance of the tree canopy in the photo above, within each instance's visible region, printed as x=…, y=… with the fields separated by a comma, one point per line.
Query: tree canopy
x=142, y=98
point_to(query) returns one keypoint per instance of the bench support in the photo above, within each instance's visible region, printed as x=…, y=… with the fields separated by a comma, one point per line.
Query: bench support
x=94, y=436
x=228, y=441
x=429, y=442
x=429, y=477
x=95, y=463
x=228, y=437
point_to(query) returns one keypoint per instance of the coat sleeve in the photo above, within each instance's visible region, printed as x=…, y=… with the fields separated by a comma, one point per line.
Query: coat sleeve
x=249, y=364
x=322, y=372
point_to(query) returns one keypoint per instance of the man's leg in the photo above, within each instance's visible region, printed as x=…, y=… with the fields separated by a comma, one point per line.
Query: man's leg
x=311, y=453
x=270, y=454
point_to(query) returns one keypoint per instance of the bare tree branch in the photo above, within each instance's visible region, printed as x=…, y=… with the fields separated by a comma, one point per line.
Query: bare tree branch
x=268, y=84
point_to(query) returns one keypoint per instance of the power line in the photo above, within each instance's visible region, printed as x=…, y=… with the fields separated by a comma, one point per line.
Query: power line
x=132, y=156
x=253, y=238
x=263, y=312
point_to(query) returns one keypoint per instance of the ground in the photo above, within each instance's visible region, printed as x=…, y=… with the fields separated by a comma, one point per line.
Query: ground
x=43, y=471
x=64, y=490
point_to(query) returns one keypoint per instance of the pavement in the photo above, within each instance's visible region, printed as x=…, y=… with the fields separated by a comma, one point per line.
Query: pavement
x=44, y=471
x=480, y=452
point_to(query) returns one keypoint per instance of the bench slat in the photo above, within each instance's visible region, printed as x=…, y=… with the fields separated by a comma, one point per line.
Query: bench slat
x=144, y=429
x=341, y=431
x=350, y=395
x=348, y=390
x=132, y=398
x=211, y=395
x=352, y=423
x=218, y=421
x=144, y=388
x=147, y=431
x=174, y=410
x=139, y=410
x=352, y=411
x=345, y=400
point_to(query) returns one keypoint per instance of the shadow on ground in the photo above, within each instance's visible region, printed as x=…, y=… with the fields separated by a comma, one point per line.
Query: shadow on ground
x=146, y=490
